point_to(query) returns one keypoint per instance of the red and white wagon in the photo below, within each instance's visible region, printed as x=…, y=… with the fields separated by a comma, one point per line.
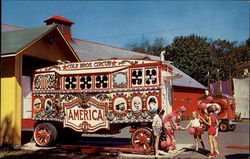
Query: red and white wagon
x=225, y=109
x=100, y=97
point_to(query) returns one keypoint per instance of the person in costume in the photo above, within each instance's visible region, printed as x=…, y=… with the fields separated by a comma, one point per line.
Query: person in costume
x=157, y=128
x=212, y=131
x=172, y=123
x=196, y=124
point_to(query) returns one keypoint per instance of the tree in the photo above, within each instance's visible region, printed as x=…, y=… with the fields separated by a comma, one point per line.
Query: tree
x=149, y=47
x=239, y=60
x=196, y=56
x=232, y=59
x=193, y=55
x=222, y=50
x=248, y=42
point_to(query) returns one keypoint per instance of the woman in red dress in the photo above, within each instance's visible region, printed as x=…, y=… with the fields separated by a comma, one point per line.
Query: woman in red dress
x=212, y=131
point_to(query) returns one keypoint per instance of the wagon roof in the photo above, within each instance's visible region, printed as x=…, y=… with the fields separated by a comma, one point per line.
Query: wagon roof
x=95, y=66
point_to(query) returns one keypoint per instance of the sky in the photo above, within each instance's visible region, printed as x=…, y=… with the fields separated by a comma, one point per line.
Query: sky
x=119, y=23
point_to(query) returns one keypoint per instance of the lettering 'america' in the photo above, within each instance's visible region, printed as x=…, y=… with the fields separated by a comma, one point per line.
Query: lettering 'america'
x=85, y=115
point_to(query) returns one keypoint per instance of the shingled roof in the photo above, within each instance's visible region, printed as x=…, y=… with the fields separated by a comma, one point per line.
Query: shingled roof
x=7, y=27
x=13, y=41
x=87, y=50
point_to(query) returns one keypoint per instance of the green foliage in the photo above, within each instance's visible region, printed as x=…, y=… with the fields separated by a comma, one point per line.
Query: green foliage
x=248, y=42
x=197, y=56
x=193, y=55
x=148, y=47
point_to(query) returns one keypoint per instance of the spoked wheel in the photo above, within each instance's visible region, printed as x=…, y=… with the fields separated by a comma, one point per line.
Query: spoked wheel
x=45, y=134
x=143, y=138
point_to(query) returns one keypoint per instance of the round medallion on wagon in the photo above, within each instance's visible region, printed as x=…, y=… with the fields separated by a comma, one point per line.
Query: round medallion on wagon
x=152, y=104
x=37, y=105
x=120, y=104
x=48, y=106
x=136, y=104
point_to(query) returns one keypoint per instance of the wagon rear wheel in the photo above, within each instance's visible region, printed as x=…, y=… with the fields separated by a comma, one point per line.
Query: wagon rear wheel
x=232, y=127
x=142, y=138
x=224, y=126
x=204, y=127
x=45, y=134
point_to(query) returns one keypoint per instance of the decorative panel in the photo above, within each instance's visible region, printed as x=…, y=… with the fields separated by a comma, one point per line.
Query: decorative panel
x=137, y=77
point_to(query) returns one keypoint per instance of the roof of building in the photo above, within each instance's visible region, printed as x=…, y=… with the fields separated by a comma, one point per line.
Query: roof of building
x=87, y=50
x=13, y=41
x=7, y=27
x=186, y=80
x=58, y=17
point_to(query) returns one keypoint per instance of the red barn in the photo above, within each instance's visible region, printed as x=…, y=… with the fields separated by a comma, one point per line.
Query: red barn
x=186, y=91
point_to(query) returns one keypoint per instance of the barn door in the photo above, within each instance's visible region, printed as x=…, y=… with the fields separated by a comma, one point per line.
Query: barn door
x=27, y=98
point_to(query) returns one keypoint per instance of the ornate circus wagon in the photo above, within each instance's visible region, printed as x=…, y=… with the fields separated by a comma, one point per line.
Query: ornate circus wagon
x=100, y=97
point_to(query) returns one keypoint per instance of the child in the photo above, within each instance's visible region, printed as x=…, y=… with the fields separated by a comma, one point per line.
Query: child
x=212, y=131
x=196, y=124
x=157, y=128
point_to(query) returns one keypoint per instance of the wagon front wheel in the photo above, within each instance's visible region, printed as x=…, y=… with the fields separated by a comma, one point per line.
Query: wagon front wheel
x=142, y=138
x=45, y=134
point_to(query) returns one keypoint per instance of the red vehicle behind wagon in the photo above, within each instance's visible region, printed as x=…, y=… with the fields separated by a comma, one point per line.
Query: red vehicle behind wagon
x=225, y=110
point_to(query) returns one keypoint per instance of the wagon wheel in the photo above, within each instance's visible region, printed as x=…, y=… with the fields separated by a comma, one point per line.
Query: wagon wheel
x=45, y=134
x=142, y=138
x=204, y=127
x=224, y=126
x=232, y=127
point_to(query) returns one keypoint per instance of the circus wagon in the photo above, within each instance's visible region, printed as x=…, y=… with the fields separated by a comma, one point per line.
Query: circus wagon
x=100, y=97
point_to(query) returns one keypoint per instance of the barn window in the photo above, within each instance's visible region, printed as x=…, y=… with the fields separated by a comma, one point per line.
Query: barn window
x=70, y=82
x=101, y=81
x=85, y=82
x=151, y=76
x=137, y=77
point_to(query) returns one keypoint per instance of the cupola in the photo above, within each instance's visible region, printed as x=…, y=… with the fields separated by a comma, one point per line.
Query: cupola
x=63, y=23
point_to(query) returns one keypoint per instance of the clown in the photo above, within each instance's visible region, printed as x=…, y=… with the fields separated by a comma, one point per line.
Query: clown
x=171, y=122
